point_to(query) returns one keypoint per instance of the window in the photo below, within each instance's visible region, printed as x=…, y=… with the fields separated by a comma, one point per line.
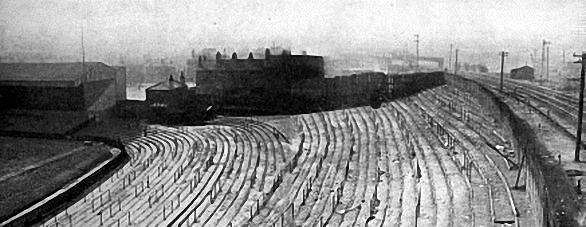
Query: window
x=158, y=104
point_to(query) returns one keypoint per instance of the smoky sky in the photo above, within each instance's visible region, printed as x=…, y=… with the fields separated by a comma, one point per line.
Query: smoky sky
x=161, y=28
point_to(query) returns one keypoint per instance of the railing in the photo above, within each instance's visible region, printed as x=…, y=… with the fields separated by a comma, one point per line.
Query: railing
x=61, y=201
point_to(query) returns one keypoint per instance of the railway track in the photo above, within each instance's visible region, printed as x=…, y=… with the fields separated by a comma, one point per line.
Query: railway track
x=560, y=109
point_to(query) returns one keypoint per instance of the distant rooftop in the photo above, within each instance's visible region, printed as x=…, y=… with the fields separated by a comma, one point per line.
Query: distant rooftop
x=167, y=85
x=522, y=67
x=244, y=64
x=70, y=72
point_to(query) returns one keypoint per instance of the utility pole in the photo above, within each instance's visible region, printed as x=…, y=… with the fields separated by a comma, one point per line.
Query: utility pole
x=547, y=64
x=580, y=106
x=543, y=44
x=542, y=59
x=456, y=64
x=417, y=51
x=503, y=54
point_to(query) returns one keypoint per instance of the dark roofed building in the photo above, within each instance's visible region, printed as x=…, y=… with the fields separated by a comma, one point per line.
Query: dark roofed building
x=172, y=101
x=260, y=82
x=53, y=74
x=166, y=98
x=169, y=85
x=90, y=86
x=523, y=73
x=87, y=90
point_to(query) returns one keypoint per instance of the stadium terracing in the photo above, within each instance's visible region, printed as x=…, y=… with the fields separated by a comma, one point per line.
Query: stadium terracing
x=454, y=153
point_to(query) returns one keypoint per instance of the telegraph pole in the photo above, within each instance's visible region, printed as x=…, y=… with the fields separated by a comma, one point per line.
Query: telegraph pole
x=543, y=44
x=417, y=51
x=542, y=59
x=503, y=55
x=580, y=106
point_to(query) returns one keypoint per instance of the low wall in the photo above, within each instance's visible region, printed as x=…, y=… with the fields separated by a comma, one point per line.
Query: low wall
x=76, y=192
x=361, y=90
x=552, y=197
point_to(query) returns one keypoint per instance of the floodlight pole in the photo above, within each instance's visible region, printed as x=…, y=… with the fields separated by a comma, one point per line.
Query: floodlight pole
x=580, y=107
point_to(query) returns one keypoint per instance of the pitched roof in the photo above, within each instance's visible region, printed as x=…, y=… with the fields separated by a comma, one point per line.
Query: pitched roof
x=167, y=85
x=522, y=67
x=71, y=71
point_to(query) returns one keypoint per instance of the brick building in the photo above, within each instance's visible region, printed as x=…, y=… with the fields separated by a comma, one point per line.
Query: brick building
x=252, y=83
x=172, y=101
x=167, y=94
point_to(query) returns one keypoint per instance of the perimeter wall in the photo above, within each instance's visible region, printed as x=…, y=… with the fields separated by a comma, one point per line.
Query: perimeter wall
x=553, y=199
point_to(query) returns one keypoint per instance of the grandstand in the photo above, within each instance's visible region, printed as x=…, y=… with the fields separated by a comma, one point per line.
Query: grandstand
x=343, y=167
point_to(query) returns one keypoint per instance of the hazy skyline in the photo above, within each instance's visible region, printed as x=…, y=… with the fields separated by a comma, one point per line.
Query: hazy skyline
x=168, y=28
